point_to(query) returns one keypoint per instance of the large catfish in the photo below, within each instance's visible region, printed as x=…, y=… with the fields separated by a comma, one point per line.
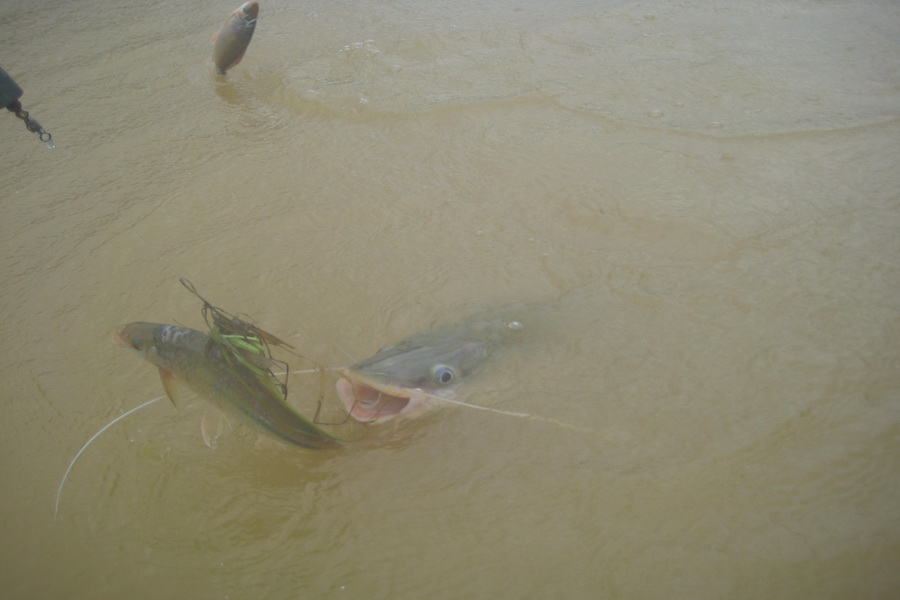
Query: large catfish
x=421, y=372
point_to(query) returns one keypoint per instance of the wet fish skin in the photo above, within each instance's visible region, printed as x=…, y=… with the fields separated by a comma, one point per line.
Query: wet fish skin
x=412, y=376
x=231, y=42
x=186, y=355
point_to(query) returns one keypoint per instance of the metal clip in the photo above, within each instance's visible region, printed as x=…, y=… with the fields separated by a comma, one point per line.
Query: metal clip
x=32, y=125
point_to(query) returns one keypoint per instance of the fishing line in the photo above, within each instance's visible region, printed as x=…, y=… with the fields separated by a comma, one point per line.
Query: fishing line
x=89, y=189
x=521, y=415
x=316, y=370
x=88, y=443
x=509, y=413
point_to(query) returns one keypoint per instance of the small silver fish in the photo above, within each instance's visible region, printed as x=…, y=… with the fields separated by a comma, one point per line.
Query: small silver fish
x=231, y=42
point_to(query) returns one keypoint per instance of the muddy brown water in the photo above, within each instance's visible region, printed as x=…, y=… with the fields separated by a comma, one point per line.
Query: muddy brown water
x=702, y=199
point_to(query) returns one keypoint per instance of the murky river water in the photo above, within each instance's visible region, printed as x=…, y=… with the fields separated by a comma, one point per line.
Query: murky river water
x=703, y=198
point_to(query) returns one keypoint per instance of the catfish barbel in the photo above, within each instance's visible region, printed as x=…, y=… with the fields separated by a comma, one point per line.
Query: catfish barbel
x=193, y=358
x=232, y=40
x=414, y=375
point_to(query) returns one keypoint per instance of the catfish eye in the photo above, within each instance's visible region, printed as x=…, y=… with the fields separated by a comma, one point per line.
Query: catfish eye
x=443, y=374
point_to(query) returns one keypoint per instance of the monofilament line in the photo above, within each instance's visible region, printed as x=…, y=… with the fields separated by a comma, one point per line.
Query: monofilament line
x=88, y=443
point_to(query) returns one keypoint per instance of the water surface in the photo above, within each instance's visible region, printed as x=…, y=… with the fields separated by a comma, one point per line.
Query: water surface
x=701, y=200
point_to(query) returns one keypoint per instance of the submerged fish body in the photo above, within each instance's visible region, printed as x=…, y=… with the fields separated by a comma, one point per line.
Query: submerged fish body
x=190, y=356
x=418, y=373
x=231, y=42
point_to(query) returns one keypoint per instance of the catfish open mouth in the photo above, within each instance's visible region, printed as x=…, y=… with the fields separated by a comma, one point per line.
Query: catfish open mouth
x=423, y=371
x=370, y=401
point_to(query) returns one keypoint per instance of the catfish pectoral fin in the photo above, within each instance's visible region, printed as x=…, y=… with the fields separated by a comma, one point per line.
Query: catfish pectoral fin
x=170, y=384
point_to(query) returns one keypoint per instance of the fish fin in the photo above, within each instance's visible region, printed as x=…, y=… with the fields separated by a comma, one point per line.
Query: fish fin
x=212, y=426
x=215, y=37
x=170, y=384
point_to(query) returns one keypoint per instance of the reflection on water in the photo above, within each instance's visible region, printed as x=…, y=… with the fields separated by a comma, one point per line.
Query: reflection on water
x=702, y=204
